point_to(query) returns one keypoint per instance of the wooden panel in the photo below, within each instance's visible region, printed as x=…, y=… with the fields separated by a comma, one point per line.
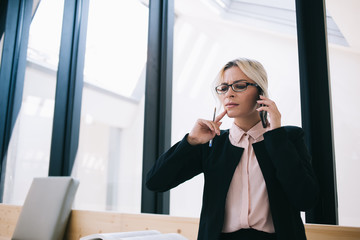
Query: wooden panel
x=331, y=232
x=84, y=223
x=9, y=215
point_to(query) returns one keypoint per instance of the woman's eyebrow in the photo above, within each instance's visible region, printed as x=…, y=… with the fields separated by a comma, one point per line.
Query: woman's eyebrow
x=236, y=81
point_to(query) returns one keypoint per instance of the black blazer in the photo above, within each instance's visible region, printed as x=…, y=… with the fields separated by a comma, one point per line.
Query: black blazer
x=285, y=164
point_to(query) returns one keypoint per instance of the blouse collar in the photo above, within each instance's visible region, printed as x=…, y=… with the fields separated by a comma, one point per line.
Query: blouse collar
x=256, y=132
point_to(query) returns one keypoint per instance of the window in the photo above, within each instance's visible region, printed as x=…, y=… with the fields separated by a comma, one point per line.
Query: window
x=29, y=148
x=203, y=43
x=109, y=158
x=344, y=62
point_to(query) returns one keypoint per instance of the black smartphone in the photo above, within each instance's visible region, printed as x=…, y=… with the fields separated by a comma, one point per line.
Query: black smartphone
x=263, y=114
x=263, y=117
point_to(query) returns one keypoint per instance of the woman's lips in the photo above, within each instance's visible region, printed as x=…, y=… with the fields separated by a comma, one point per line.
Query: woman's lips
x=231, y=105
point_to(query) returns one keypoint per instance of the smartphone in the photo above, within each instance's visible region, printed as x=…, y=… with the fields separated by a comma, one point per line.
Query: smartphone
x=263, y=117
x=263, y=114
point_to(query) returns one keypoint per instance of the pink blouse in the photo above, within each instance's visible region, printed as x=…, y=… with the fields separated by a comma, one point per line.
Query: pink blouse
x=247, y=203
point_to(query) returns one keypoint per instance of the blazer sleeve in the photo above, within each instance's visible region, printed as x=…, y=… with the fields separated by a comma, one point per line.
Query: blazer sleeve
x=292, y=161
x=180, y=163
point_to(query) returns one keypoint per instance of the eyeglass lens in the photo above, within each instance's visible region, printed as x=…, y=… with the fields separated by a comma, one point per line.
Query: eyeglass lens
x=237, y=87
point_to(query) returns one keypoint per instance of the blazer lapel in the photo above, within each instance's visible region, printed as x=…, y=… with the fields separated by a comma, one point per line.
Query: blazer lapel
x=265, y=163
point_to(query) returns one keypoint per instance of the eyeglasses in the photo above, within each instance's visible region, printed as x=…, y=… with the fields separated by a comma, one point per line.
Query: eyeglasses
x=237, y=86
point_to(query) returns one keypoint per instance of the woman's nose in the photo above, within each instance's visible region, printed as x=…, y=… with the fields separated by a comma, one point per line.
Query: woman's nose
x=230, y=93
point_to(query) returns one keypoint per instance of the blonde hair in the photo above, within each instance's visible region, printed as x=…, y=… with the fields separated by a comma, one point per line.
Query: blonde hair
x=251, y=68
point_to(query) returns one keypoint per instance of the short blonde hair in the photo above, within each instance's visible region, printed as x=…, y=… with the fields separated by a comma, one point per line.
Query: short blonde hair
x=251, y=68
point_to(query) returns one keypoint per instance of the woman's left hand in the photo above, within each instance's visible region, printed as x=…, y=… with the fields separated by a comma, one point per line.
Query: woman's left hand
x=271, y=108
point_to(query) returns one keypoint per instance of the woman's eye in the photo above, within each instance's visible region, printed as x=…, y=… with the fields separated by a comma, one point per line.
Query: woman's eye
x=240, y=86
x=223, y=88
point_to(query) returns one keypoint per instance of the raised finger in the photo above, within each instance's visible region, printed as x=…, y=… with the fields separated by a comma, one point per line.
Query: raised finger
x=220, y=116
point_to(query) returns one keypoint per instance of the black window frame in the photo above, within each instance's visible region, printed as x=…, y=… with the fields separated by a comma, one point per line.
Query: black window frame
x=12, y=72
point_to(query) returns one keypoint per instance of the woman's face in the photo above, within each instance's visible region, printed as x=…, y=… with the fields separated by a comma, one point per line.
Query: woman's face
x=239, y=104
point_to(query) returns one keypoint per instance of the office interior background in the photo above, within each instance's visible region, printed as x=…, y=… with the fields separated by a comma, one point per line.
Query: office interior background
x=206, y=34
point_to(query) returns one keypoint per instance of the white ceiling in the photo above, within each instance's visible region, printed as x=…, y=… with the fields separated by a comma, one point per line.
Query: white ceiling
x=277, y=16
x=346, y=14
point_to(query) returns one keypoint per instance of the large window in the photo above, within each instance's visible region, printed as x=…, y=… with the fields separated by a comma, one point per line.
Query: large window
x=203, y=43
x=344, y=74
x=109, y=158
x=29, y=148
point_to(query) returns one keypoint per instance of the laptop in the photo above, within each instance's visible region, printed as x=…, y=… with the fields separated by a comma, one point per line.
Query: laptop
x=46, y=209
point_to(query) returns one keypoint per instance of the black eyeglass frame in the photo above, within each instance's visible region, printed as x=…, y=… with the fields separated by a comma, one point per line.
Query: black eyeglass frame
x=231, y=85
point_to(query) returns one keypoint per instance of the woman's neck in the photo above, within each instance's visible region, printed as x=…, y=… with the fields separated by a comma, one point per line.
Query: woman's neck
x=247, y=123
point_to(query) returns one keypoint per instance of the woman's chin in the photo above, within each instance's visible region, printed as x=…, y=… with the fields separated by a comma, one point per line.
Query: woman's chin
x=231, y=115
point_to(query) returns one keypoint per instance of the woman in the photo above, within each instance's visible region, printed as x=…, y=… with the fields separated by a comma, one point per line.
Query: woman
x=257, y=180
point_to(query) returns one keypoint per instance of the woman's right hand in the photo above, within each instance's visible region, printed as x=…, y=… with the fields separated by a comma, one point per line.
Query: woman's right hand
x=205, y=130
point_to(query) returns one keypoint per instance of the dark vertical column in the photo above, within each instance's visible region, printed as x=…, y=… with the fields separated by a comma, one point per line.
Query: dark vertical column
x=3, y=8
x=158, y=94
x=316, y=105
x=66, y=124
x=12, y=72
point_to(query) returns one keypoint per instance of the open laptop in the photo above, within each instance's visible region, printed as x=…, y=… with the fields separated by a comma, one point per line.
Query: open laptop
x=46, y=209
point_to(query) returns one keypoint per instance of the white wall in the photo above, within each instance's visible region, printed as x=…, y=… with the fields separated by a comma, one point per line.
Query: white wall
x=202, y=47
x=345, y=86
x=205, y=51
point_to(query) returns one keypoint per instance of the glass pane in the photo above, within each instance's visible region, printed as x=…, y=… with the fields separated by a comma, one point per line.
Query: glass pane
x=344, y=62
x=203, y=43
x=1, y=46
x=109, y=159
x=29, y=149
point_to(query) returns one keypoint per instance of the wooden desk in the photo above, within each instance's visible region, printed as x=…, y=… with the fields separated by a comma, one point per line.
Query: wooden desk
x=82, y=223
x=9, y=215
